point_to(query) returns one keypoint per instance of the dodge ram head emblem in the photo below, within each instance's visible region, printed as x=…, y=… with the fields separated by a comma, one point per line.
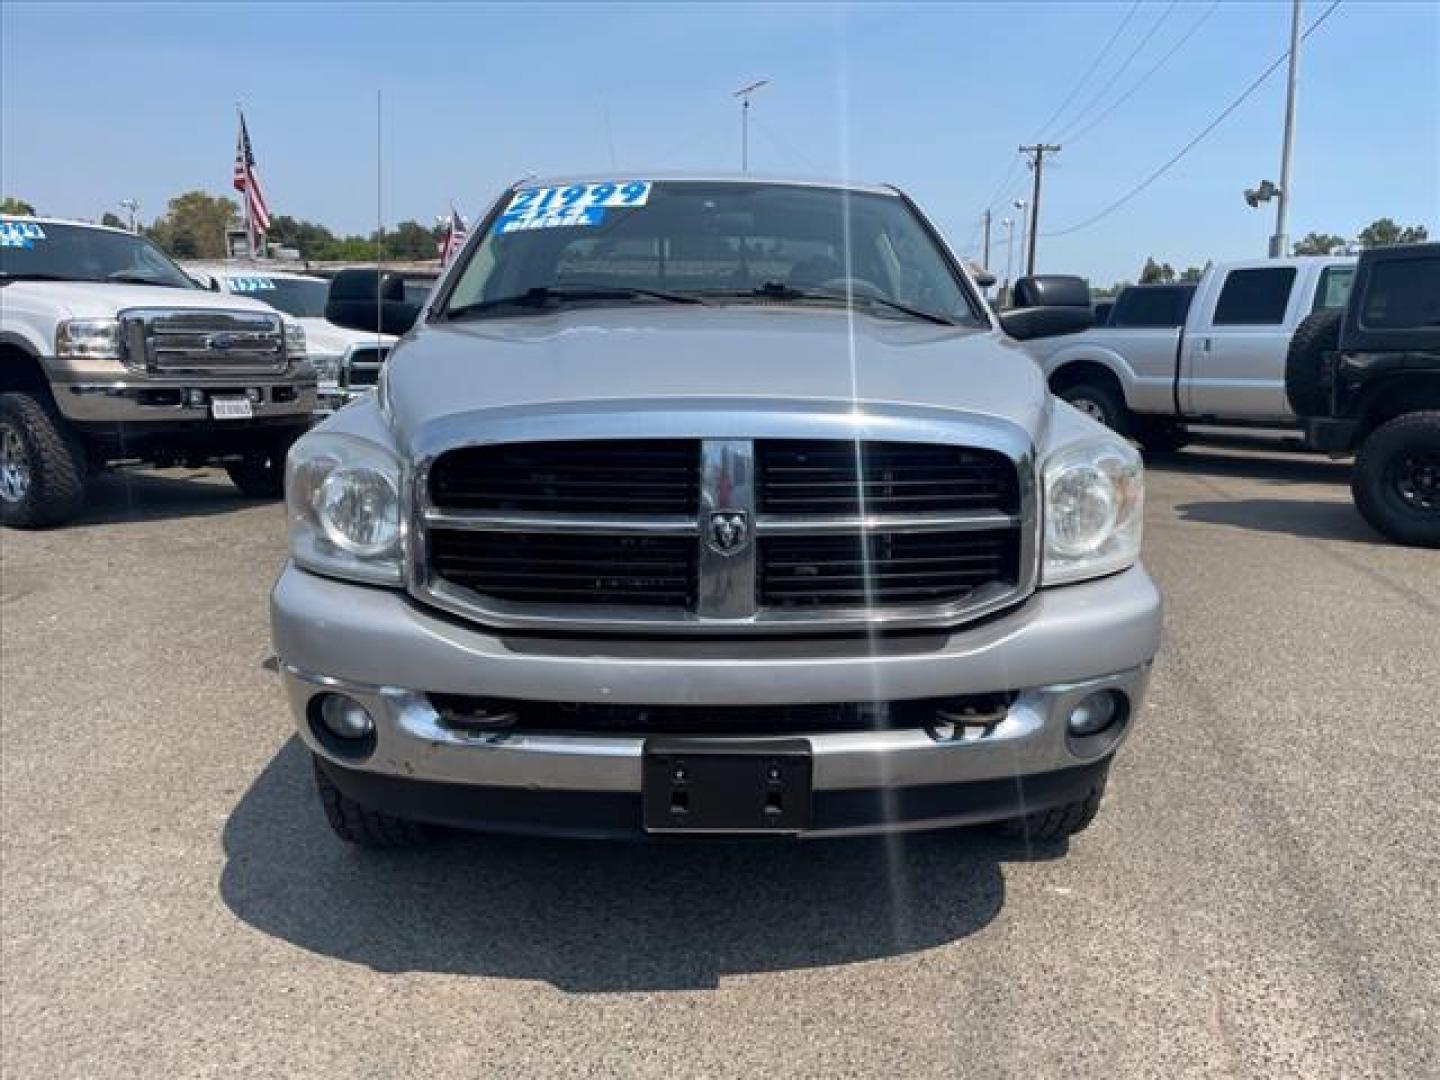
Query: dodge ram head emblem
x=729, y=531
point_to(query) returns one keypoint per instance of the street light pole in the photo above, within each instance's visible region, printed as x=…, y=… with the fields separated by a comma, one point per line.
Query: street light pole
x=133, y=207
x=1280, y=242
x=744, y=95
x=1008, y=224
x=986, y=263
x=1020, y=205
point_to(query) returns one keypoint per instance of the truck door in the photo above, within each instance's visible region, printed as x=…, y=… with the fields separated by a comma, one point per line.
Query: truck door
x=1235, y=353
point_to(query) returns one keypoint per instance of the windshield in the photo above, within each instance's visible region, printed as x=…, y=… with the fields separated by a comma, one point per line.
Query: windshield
x=726, y=242
x=303, y=298
x=57, y=252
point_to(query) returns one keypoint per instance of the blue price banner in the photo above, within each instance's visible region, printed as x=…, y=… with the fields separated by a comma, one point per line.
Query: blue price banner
x=575, y=205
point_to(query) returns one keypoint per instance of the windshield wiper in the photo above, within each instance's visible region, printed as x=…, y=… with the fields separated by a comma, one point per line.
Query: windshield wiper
x=545, y=295
x=778, y=290
x=32, y=275
x=140, y=279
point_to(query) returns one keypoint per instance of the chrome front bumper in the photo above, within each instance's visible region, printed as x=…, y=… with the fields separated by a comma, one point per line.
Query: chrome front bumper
x=132, y=400
x=378, y=646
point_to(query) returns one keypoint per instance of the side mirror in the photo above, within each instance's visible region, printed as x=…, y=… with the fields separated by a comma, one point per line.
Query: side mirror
x=364, y=299
x=1024, y=324
x=983, y=277
x=1051, y=290
x=214, y=284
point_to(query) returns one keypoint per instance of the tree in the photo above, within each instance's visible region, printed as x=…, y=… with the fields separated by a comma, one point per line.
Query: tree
x=1154, y=273
x=11, y=205
x=1383, y=232
x=1314, y=243
x=193, y=225
x=112, y=220
x=411, y=240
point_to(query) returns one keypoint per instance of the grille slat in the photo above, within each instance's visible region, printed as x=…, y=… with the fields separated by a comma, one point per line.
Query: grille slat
x=635, y=476
x=630, y=570
x=818, y=477
x=884, y=568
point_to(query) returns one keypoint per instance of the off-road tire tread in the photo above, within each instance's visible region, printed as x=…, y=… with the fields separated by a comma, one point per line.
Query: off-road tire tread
x=1317, y=334
x=1048, y=826
x=356, y=824
x=1367, y=482
x=57, y=471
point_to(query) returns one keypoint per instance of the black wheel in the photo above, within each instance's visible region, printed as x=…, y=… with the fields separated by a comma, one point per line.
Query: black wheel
x=42, y=464
x=1396, y=481
x=1316, y=335
x=260, y=474
x=1050, y=826
x=1099, y=402
x=356, y=824
x=1161, y=437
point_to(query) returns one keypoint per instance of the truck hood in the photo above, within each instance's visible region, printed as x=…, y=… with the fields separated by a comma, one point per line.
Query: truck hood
x=323, y=336
x=99, y=300
x=463, y=377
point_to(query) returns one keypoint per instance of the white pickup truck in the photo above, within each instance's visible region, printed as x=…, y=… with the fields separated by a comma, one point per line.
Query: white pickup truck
x=1221, y=362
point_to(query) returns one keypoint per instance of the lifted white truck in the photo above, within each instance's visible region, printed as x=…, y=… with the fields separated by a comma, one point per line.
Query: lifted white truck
x=110, y=353
x=1225, y=365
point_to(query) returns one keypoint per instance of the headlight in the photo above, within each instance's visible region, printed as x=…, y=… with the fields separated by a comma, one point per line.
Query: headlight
x=294, y=340
x=1094, y=509
x=343, y=500
x=88, y=339
x=327, y=365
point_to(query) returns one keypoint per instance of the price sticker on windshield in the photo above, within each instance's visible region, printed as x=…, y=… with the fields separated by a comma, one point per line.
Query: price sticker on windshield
x=570, y=206
x=20, y=234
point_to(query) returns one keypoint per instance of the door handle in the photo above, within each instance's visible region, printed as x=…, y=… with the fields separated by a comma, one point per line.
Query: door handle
x=1205, y=344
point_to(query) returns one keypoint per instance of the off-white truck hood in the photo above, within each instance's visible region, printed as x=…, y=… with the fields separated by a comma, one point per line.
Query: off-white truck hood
x=99, y=300
x=750, y=358
x=324, y=337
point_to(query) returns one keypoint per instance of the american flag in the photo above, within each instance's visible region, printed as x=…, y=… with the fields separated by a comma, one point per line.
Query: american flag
x=454, y=240
x=257, y=213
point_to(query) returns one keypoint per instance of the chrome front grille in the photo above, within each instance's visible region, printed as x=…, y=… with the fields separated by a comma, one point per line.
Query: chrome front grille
x=179, y=341
x=724, y=535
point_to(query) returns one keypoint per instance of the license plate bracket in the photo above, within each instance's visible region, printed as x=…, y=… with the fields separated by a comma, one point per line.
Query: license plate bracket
x=726, y=786
x=231, y=408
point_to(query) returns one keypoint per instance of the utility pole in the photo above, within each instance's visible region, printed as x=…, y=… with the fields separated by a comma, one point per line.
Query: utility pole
x=1037, y=164
x=986, y=220
x=744, y=95
x=1280, y=242
x=133, y=206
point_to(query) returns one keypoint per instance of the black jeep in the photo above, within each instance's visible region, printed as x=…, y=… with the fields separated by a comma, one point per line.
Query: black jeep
x=1366, y=380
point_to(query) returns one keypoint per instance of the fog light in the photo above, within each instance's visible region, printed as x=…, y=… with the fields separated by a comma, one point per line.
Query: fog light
x=1095, y=713
x=345, y=718
x=195, y=399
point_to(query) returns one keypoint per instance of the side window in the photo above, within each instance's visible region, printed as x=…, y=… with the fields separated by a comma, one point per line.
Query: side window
x=1333, y=292
x=1151, y=307
x=1403, y=295
x=1255, y=297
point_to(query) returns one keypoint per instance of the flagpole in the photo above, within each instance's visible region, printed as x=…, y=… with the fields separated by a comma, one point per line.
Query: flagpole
x=249, y=225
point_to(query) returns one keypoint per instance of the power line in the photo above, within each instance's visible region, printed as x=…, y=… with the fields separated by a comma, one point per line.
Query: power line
x=1124, y=67
x=1214, y=6
x=1091, y=69
x=1002, y=189
x=1198, y=138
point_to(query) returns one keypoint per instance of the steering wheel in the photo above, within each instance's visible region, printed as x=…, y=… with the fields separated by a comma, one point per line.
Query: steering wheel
x=859, y=286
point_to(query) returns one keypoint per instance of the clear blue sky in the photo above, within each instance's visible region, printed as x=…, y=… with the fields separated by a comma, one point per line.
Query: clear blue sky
x=103, y=102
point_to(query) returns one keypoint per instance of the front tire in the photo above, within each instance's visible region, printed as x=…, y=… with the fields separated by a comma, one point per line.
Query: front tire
x=260, y=474
x=1053, y=825
x=42, y=464
x=1099, y=402
x=359, y=825
x=1396, y=480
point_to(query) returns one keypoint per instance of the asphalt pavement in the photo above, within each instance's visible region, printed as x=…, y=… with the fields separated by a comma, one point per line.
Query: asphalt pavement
x=1260, y=896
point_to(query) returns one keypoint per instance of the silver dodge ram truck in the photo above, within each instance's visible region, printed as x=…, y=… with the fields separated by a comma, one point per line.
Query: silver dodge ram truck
x=110, y=353
x=709, y=506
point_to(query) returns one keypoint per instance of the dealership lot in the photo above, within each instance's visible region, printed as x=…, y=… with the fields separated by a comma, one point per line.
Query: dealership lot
x=1258, y=896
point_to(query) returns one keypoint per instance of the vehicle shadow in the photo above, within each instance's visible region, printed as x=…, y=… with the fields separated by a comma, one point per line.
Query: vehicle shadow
x=591, y=917
x=126, y=495
x=1308, y=519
